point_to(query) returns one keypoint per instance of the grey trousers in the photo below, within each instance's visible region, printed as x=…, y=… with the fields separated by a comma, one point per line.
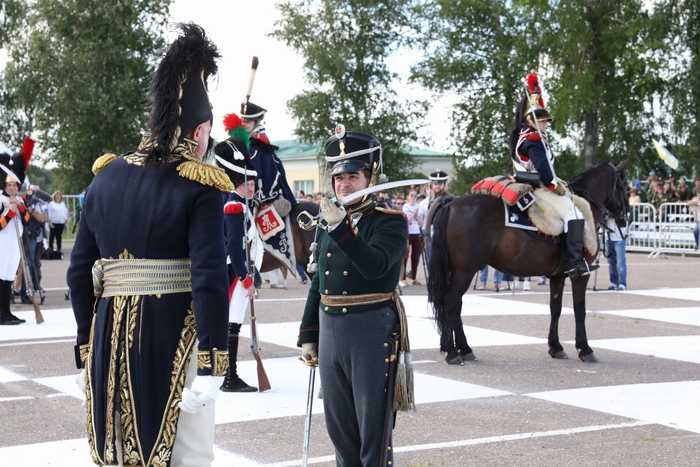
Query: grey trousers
x=353, y=364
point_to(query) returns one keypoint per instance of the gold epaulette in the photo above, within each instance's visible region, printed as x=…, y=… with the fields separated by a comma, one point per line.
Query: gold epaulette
x=206, y=174
x=102, y=162
x=388, y=211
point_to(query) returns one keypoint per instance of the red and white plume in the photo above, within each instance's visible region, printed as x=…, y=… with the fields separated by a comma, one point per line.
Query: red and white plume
x=533, y=84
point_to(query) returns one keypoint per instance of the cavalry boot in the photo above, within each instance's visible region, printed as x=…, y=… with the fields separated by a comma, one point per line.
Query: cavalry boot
x=232, y=383
x=576, y=265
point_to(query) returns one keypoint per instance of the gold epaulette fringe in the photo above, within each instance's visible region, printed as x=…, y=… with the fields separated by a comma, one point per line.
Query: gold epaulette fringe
x=206, y=174
x=102, y=162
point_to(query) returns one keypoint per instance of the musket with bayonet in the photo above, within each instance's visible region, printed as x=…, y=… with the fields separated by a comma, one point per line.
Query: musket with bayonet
x=263, y=381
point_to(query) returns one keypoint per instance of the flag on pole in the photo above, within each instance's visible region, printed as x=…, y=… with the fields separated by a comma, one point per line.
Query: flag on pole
x=665, y=155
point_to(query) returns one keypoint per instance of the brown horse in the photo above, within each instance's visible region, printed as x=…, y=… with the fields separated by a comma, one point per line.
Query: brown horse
x=302, y=241
x=470, y=233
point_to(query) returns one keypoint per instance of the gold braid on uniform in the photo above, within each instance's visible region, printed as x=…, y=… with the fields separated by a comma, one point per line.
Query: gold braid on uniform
x=102, y=162
x=206, y=174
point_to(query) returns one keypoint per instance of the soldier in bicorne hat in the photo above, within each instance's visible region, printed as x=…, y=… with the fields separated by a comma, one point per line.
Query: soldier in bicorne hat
x=350, y=322
x=153, y=344
x=239, y=225
x=530, y=152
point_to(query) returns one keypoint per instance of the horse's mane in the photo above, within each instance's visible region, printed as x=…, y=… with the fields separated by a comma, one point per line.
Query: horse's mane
x=581, y=179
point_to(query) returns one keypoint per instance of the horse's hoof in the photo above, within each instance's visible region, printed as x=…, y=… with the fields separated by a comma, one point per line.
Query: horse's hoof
x=454, y=360
x=467, y=357
x=590, y=358
x=558, y=354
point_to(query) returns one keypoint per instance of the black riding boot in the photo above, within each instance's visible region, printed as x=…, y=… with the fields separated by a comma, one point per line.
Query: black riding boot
x=233, y=383
x=576, y=265
x=6, y=318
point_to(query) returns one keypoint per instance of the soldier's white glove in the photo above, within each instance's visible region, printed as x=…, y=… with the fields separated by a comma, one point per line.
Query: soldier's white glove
x=204, y=391
x=282, y=206
x=309, y=352
x=332, y=213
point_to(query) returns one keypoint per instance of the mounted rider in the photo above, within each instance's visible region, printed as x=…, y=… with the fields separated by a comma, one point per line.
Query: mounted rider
x=530, y=153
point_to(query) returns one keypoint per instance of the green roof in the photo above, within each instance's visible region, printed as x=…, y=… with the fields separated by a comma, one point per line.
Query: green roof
x=293, y=149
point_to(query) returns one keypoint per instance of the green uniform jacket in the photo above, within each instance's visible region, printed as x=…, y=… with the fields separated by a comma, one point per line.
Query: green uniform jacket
x=358, y=260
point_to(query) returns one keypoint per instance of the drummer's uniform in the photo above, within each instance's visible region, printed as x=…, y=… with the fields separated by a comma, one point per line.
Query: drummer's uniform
x=161, y=313
x=351, y=314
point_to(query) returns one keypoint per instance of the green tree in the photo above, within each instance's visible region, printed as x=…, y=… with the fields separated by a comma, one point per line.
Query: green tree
x=16, y=121
x=598, y=60
x=683, y=67
x=82, y=67
x=345, y=45
x=603, y=63
x=480, y=51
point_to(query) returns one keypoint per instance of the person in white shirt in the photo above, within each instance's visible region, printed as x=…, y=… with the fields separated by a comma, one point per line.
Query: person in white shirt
x=415, y=214
x=58, y=217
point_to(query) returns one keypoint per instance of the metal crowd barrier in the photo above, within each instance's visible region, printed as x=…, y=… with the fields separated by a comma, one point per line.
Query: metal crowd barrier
x=670, y=230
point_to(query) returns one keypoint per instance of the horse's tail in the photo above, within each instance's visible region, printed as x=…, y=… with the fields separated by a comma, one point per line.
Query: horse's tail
x=439, y=266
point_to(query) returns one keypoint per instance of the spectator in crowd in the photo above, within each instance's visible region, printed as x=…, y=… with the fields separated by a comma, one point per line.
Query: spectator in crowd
x=317, y=197
x=383, y=197
x=696, y=188
x=415, y=215
x=634, y=197
x=398, y=205
x=683, y=192
x=484, y=276
x=615, y=252
x=695, y=207
x=669, y=194
x=58, y=217
x=35, y=240
x=301, y=195
x=309, y=198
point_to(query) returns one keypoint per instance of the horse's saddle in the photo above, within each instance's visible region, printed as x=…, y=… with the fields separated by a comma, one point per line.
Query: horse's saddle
x=546, y=217
x=513, y=193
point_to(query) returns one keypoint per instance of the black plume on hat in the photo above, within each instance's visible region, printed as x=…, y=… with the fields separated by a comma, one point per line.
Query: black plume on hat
x=352, y=151
x=178, y=90
x=232, y=156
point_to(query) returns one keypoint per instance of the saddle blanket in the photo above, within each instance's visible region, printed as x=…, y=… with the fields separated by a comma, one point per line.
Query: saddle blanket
x=547, y=216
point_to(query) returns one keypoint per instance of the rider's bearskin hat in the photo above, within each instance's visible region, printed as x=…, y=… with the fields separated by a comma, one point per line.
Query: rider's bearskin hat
x=178, y=91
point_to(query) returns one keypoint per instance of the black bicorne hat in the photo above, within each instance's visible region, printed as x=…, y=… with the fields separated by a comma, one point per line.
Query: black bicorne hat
x=438, y=176
x=352, y=151
x=250, y=111
x=232, y=156
x=178, y=90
